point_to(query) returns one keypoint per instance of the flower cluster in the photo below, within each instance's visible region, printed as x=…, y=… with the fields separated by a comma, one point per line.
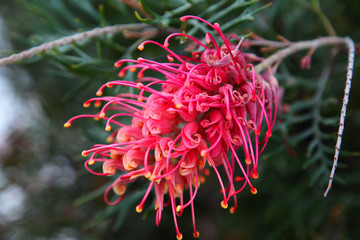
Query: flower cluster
x=210, y=112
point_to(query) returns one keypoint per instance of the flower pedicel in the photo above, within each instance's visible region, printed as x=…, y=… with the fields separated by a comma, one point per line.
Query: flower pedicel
x=210, y=105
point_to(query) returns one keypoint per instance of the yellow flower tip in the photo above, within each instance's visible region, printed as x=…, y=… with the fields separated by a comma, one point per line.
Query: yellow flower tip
x=91, y=162
x=84, y=153
x=121, y=74
x=86, y=105
x=196, y=234
x=132, y=69
x=141, y=47
x=147, y=174
x=140, y=99
x=139, y=208
x=67, y=124
x=232, y=210
x=248, y=161
x=255, y=175
x=139, y=85
x=117, y=64
x=97, y=104
x=178, y=208
x=178, y=105
x=179, y=187
x=203, y=153
x=179, y=236
x=170, y=59
x=253, y=190
x=166, y=44
x=101, y=115
x=168, y=177
x=99, y=93
x=224, y=204
x=96, y=118
x=110, y=139
x=108, y=128
x=109, y=85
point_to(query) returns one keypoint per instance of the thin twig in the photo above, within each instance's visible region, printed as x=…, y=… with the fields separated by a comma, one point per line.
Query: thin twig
x=298, y=46
x=351, y=47
x=96, y=32
x=320, y=42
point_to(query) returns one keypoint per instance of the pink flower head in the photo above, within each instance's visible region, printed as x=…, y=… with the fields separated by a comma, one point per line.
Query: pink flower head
x=209, y=111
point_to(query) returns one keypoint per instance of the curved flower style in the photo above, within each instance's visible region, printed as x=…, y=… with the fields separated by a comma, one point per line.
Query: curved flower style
x=207, y=107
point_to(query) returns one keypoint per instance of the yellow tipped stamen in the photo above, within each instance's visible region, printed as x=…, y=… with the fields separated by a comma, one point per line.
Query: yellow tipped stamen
x=179, y=236
x=148, y=174
x=102, y=114
x=108, y=128
x=232, y=210
x=86, y=104
x=248, y=161
x=203, y=153
x=254, y=191
x=109, y=85
x=84, y=153
x=255, y=175
x=99, y=93
x=91, y=162
x=224, y=205
x=178, y=105
x=139, y=85
x=141, y=47
x=178, y=187
x=168, y=177
x=178, y=208
x=67, y=124
x=97, y=104
x=139, y=209
x=96, y=118
x=132, y=69
x=196, y=234
x=110, y=139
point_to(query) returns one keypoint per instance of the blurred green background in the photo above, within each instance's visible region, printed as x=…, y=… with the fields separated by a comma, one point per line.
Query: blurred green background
x=45, y=192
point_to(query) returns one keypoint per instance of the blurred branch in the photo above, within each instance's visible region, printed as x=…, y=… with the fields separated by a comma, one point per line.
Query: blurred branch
x=70, y=39
x=298, y=46
x=313, y=44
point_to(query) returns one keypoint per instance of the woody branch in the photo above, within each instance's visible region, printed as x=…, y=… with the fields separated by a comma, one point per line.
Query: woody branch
x=97, y=32
x=291, y=48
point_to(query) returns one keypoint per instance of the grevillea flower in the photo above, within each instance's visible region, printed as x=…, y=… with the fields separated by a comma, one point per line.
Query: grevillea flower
x=209, y=112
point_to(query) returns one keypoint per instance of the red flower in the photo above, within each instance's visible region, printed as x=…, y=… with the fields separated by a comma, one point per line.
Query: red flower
x=211, y=104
